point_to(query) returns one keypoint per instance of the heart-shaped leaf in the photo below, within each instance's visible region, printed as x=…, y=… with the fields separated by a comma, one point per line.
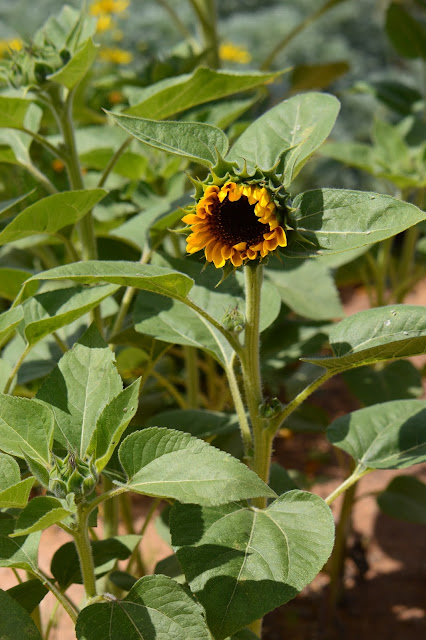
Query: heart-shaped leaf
x=242, y=562
x=26, y=428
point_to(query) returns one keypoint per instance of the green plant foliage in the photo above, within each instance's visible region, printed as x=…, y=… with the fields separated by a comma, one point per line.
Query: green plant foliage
x=14, y=493
x=375, y=335
x=75, y=70
x=26, y=428
x=28, y=594
x=40, y=514
x=201, y=424
x=8, y=321
x=405, y=499
x=235, y=576
x=156, y=608
x=20, y=553
x=11, y=281
x=171, y=464
x=17, y=623
x=398, y=380
x=407, y=34
x=386, y=436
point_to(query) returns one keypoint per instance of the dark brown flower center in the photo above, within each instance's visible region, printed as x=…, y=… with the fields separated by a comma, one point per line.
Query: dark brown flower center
x=235, y=222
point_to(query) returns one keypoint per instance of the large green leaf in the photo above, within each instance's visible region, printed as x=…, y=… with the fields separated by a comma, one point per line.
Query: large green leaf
x=21, y=552
x=242, y=562
x=77, y=67
x=173, y=464
x=334, y=220
x=308, y=288
x=391, y=435
x=26, y=428
x=404, y=498
x=13, y=111
x=174, y=95
x=375, y=335
x=19, y=143
x=14, y=493
x=127, y=274
x=197, y=422
x=16, y=622
x=82, y=384
x=156, y=608
x=9, y=320
x=112, y=423
x=51, y=214
x=11, y=281
x=297, y=126
x=193, y=140
x=51, y=310
x=28, y=594
x=40, y=513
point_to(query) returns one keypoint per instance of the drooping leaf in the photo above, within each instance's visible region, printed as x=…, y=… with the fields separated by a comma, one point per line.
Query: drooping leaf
x=297, y=126
x=77, y=67
x=51, y=310
x=391, y=435
x=21, y=552
x=40, y=513
x=242, y=562
x=51, y=214
x=82, y=384
x=16, y=622
x=405, y=499
x=28, y=594
x=375, y=335
x=26, y=428
x=156, y=608
x=112, y=423
x=329, y=221
x=195, y=141
x=174, y=95
x=128, y=274
x=172, y=464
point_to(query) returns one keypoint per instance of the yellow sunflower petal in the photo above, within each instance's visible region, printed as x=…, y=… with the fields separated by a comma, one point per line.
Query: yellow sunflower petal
x=190, y=218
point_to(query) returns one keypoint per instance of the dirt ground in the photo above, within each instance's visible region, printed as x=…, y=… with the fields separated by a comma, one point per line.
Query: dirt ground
x=385, y=579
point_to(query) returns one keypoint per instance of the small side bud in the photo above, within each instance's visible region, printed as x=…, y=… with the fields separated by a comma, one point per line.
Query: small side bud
x=270, y=408
x=73, y=475
x=233, y=320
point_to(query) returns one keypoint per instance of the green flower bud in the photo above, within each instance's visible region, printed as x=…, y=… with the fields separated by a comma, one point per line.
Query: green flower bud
x=270, y=408
x=73, y=475
x=233, y=320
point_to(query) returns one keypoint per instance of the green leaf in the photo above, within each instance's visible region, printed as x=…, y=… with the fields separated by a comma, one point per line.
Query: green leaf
x=317, y=76
x=128, y=274
x=65, y=566
x=112, y=423
x=197, y=422
x=405, y=499
x=375, y=335
x=9, y=471
x=193, y=140
x=407, y=34
x=11, y=281
x=297, y=126
x=16, y=622
x=399, y=380
x=329, y=221
x=7, y=205
x=42, y=216
x=156, y=608
x=174, y=95
x=172, y=464
x=16, y=496
x=13, y=112
x=242, y=562
x=308, y=288
x=82, y=384
x=21, y=552
x=26, y=428
x=40, y=513
x=9, y=320
x=51, y=310
x=19, y=142
x=77, y=67
x=28, y=594
x=391, y=435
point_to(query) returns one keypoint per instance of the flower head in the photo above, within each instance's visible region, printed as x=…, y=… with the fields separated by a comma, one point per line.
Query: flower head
x=235, y=222
x=229, y=52
x=115, y=55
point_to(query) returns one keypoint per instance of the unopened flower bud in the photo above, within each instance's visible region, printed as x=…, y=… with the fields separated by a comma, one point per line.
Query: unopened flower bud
x=270, y=408
x=73, y=475
x=233, y=320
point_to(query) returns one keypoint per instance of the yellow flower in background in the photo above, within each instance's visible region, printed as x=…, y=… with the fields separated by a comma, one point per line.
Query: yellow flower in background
x=235, y=222
x=115, y=55
x=108, y=7
x=104, y=23
x=14, y=44
x=229, y=52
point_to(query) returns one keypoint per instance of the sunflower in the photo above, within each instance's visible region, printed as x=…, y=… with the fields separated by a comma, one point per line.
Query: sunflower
x=236, y=222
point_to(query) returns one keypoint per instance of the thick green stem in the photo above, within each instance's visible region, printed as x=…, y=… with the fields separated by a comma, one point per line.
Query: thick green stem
x=57, y=593
x=84, y=551
x=206, y=12
x=241, y=411
x=192, y=378
x=250, y=362
x=349, y=482
x=383, y=259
